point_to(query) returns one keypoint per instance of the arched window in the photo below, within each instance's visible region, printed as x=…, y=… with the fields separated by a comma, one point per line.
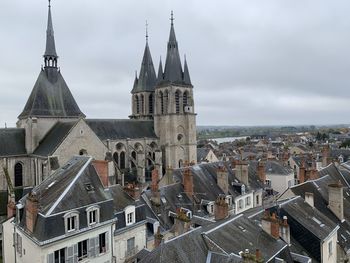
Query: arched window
x=133, y=155
x=142, y=104
x=150, y=104
x=177, y=101
x=122, y=160
x=116, y=158
x=18, y=174
x=161, y=102
x=137, y=102
x=166, y=101
x=185, y=99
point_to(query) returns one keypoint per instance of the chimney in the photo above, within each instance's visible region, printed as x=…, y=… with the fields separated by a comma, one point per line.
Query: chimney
x=309, y=198
x=32, y=209
x=335, y=199
x=155, y=187
x=261, y=171
x=222, y=179
x=182, y=222
x=188, y=182
x=302, y=173
x=221, y=208
x=133, y=191
x=325, y=155
x=11, y=207
x=258, y=256
x=285, y=230
x=101, y=168
x=242, y=172
x=158, y=238
x=270, y=224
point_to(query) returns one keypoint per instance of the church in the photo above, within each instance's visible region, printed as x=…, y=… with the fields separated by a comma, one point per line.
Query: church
x=160, y=132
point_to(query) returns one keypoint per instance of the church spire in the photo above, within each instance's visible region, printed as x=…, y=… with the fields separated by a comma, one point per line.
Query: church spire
x=50, y=55
x=160, y=71
x=173, y=68
x=187, y=79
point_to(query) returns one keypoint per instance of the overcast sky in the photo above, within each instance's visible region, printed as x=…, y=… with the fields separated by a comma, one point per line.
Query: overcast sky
x=251, y=62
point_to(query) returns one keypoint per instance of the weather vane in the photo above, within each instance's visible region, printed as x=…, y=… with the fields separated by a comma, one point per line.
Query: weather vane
x=146, y=31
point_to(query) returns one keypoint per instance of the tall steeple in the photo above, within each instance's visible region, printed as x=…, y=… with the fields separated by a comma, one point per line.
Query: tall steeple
x=160, y=70
x=173, y=68
x=147, y=78
x=50, y=55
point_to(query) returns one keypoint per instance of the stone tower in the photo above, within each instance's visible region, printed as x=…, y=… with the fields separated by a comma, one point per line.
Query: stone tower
x=143, y=89
x=174, y=118
x=50, y=99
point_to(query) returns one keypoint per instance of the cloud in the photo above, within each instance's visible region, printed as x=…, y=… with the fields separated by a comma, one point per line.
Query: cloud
x=251, y=63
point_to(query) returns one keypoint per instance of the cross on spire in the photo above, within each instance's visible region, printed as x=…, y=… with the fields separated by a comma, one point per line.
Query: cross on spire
x=49, y=3
x=146, y=31
x=172, y=18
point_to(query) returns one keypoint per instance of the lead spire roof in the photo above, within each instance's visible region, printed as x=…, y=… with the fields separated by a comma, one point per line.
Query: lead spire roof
x=51, y=96
x=50, y=50
x=147, y=78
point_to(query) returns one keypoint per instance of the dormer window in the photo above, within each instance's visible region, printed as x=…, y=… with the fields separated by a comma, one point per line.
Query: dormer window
x=71, y=221
x=130, y=215
x=93, y=215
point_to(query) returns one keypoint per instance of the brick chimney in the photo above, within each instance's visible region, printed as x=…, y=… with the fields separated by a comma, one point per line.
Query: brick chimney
x=158, y=238
x=302, y=172
x=221, y=208
x=284, y=231
x=270, y=224
x=326, y=155
x=242, y=172
x=335, y=200
x=309, y=198
x=101, y=167
x=133, y=191
x=182, y=222
x=11, y=209
x=188, y=182
x=222, y=179
x=155, y=187
x=261, y=171
x=32, y=209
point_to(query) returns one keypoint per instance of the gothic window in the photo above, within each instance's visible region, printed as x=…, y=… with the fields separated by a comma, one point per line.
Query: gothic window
x=166, y=101
x=161, y=102
x=18, y=174
x=177, y=101
x=137, y=102
x=142, y=104
x=122, y=160
x=150, y=104
x=185, y=99
x=116, y=158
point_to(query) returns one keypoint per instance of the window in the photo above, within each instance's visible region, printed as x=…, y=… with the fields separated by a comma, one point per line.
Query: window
x=102, y=243
x=150, y=104
x=18, y=174
x=82, y=250
x=130, y=244
x=137, y=102
x=142, y=103
x=161, y=102
x=177, y=101
x=240, y=204
x=184, y=99
x=93, y=217
x=71, y=221
x=60, y=256
x=229, y=200
x=268, y=182
x=129, y=215
x=330, y=248
x=257, y=199
x=122, y=160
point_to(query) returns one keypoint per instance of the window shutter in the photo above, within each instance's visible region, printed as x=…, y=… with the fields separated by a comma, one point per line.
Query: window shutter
x=97, y=245
x=75, y=257
x=70, y=255
x=91, y=247
x=50, y=258
x=19, y=245
x=107, y=241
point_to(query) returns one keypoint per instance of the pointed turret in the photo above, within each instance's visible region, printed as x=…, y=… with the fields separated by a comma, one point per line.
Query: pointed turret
x=51, y=96
x=187, y=79
x=50, y=55
x=173, y=68
x=147, y=78
x=160, y=71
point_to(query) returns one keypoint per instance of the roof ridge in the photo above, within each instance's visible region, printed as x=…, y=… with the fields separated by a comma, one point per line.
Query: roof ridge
x=69, y=187
x=223, y=224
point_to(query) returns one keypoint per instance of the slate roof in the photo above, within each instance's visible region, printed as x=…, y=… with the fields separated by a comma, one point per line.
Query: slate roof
x=54, y=138
x=147, y=78
x=122, y=129
x=51, y=97
x=12, y=142
x=73, y=187
x=120, y=198
x=274, y=167
x=202, y=154
x=50, y=50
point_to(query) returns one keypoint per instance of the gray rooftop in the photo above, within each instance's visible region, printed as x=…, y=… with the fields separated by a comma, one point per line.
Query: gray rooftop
x=12, y=142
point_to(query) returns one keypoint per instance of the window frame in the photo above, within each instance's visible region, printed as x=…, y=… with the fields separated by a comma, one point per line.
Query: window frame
x=89, y=211
x=67, y=217
x=130, y=215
